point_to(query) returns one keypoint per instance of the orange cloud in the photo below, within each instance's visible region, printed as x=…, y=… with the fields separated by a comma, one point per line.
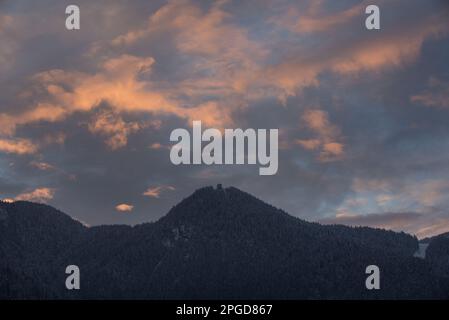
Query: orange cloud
x=331, y=151
x=327, y=135
x=231, y=72
x=310, y=144
x=111, y=125
x=124, y=207
x=116, y=82
x=156, y=146
x=393, y=50
x=37, y=195
x=222, y=69
x=318, y=121
x=156, y=191
x=196, y=31
x=401, y=45
x=39, y=112
x=17, y=146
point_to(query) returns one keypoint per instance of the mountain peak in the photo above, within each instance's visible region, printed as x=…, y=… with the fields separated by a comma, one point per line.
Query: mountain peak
x=219, y=206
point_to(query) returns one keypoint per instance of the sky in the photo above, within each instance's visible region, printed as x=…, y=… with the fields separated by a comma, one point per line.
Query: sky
x=363, y=115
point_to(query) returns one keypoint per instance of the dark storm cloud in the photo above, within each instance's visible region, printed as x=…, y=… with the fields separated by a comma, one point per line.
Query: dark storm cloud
x=85, y=116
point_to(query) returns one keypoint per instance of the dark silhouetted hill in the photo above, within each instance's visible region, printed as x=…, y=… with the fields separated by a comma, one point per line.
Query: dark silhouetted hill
x=217, y=243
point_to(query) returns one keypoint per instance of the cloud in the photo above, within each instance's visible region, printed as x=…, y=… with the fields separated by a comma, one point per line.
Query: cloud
x=351, y=55
x=198, y=32
x=17, y=146
x=398, y=194
x=124, y=207
x=335, y=90
x=111, y=125
x=42, y=165
x=421, y=224
x=57, y=138
x=327, y=135
x=428, y=193
x=398, y=48
x=436, y=96
x=332, y=149
x=71, y=91
x=313, y=20
x=9, y=42
x=39, y=112
x=223, y=76
x=117, y=83
x=309, y=144
x=22, y=146
x=220, y=75
x=38, y=195
x=158, y=146
x=415, y=207
x=366, y=185
x=155, y=192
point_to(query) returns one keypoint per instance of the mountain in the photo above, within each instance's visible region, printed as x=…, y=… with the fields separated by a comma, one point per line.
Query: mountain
x=218, y=243
x=437, y=253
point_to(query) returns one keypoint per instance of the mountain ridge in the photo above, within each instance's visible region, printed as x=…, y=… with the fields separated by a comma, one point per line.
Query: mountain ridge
x=217, y=243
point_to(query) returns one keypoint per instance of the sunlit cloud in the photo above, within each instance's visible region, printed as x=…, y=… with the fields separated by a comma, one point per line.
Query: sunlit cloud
x=155, y=192
x=17, y=146
x=327, y=136
x=309, y=144
x=38, y=195
x=400, y=46
x=360, y=130
x=124, y=207
x=112, y=126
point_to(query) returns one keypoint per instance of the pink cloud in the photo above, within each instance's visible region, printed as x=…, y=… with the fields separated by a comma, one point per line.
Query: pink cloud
x=124, y=207
x=37, y=195
x=17, y=146
x=155, y=192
